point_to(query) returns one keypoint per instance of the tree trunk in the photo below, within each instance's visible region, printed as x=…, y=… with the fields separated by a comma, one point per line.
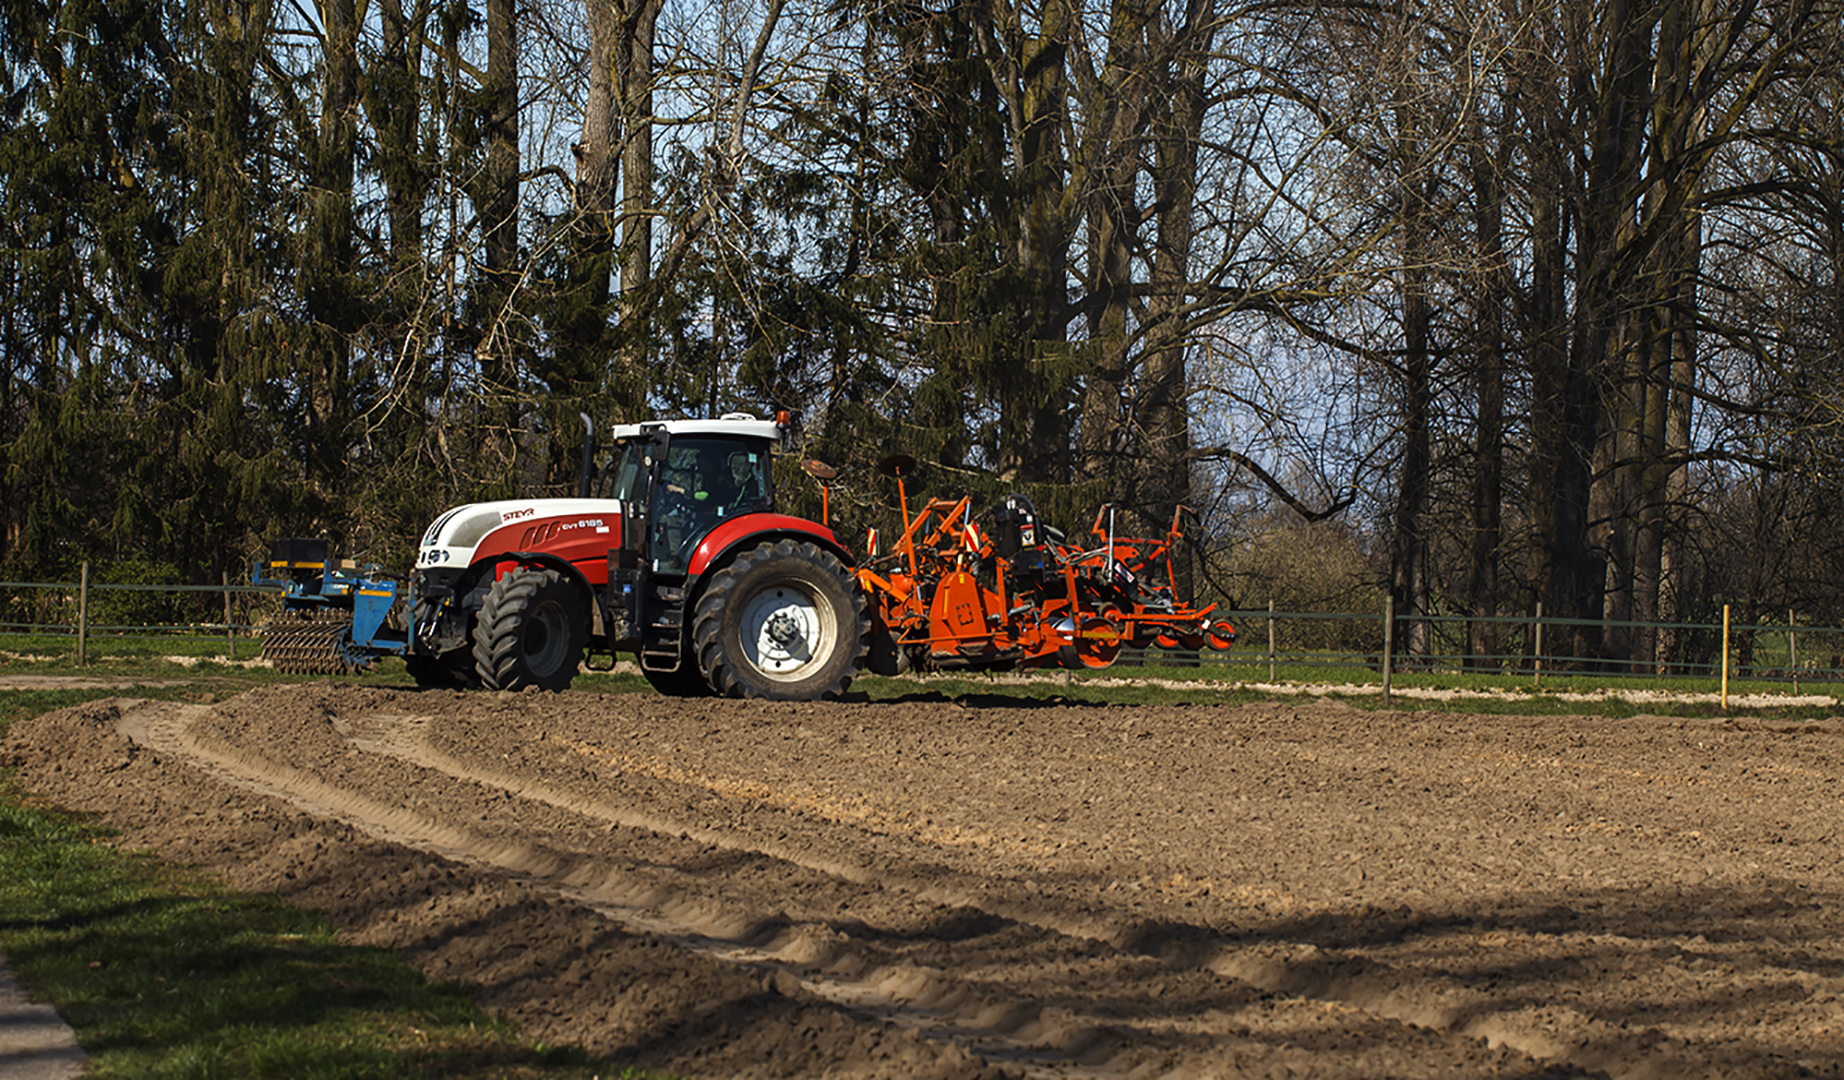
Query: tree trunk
x=1557, y=496
x=1164, y=463
x=582, y=354
x=1482, y=576
x=1408, y=534
x=394, y=103
x=1416, y=183
x=1034, y=406
x=328, y=275
x=1577, y=396
x=597, y=164
x=633, y=72
x=1113, y=220
x=499, y=197
x=1679, y=119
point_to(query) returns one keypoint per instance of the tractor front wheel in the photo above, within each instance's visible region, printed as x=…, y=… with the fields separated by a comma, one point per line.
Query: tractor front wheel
x=530, y=631
x=783, y=622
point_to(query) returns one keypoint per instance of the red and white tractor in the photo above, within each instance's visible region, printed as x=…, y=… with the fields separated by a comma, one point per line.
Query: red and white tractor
x=685, y=563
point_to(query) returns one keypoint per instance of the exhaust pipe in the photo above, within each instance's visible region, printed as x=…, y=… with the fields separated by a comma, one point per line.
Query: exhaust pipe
x=586, y=479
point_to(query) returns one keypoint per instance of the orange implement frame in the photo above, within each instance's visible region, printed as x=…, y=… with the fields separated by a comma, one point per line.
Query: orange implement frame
x=956, y=592
x=1136, y=575
x=947, y=598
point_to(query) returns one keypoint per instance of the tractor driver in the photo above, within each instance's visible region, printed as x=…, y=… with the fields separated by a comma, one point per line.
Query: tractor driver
x=744, y=481
x=706, y=481
x=724, y=487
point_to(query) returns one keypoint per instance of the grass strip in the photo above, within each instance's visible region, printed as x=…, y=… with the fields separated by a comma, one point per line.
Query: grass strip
x=1152, y=685
x=1153, y=682
x=163, y=972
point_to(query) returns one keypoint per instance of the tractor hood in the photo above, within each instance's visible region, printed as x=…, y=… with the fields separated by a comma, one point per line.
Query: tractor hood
x=454, y=537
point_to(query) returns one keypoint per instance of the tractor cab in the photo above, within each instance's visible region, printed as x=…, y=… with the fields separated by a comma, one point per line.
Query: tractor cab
x=677, y=482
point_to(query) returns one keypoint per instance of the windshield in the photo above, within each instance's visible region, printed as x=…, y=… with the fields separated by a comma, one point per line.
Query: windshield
x=722, y=475
x=630, y=472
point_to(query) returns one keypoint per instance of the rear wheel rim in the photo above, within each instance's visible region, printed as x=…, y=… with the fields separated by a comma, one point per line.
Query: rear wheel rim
x=787, y=630
x=544, y=639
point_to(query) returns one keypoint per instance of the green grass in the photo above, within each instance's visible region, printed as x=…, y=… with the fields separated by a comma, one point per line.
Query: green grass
x=203, y=662
x=20, y=704
x=1335, y=669
x=198, y=664
x=1220, y=684
x=62, y=648
x=204, y=658
x=164, y=973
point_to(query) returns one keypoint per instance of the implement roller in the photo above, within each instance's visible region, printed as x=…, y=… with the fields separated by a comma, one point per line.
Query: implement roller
x=335, y=619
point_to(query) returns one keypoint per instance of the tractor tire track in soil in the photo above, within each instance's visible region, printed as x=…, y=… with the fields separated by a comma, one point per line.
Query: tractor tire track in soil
x=1000, y=887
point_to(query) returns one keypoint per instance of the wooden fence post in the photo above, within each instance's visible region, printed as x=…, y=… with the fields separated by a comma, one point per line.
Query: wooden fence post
x=1792, y=647
x=83, y=615
x=1389, y=642
x=1536, y=652
x=1270, y=641
x=230, y=632
x=1725, y=658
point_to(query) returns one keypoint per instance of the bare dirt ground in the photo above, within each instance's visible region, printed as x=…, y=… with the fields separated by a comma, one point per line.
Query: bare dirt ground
x=988, y=887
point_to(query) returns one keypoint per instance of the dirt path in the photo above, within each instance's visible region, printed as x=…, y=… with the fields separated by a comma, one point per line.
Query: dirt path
x=985, y=888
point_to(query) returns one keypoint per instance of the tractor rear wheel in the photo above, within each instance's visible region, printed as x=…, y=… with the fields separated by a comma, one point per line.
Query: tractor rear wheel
x=530, y=631
x=783, y=622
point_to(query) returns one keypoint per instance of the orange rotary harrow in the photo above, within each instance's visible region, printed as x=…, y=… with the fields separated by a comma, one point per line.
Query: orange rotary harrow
x=956, y=591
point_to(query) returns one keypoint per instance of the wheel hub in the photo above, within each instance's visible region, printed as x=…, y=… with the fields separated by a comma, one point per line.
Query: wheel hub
x=784, y=631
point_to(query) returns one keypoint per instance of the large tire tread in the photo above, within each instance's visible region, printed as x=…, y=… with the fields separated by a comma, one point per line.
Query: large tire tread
x=715, y=641
x=503, y=630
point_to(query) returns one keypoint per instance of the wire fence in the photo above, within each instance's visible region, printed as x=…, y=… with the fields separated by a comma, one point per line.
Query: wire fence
x=75, y=613
x=1296, y=644
x=1275, y=645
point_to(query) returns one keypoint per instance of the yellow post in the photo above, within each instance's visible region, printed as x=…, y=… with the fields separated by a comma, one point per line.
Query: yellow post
x=1725, y=657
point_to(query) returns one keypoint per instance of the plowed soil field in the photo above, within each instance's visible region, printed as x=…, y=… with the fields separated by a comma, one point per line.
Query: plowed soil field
x=1001, y=887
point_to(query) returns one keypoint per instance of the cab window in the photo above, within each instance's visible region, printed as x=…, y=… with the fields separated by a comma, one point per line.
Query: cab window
x=629, y=482
x=702, y=481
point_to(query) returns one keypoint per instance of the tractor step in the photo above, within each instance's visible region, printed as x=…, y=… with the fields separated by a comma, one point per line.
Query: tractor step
x=660, y=642
x=659, y=650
